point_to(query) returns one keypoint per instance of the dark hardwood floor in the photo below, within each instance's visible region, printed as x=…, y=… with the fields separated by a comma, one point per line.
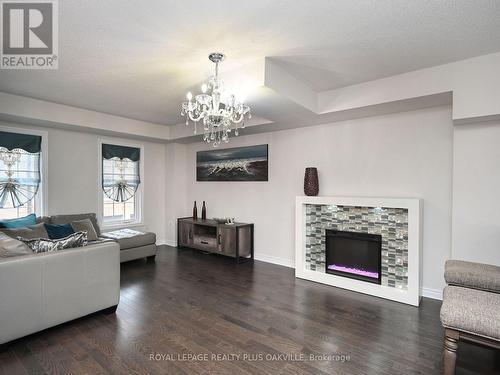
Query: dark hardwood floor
x=188, y=303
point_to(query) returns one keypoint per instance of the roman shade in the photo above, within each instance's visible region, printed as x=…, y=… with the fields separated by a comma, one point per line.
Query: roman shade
x=120, y=171
x=19, y=168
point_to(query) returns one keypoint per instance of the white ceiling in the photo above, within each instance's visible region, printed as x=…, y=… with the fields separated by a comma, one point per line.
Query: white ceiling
x=138, y=58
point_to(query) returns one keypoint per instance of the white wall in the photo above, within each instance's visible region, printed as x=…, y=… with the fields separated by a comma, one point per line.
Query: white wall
x=401, y=155
x=175, y=189
x=74, y=181
x=476, y=193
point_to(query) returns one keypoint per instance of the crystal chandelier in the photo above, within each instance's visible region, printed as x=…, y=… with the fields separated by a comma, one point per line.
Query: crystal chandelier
x=219, y=112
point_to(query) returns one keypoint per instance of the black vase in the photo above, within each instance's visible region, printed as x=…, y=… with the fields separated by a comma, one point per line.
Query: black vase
x=311, y=182
x=195, y=212
x=203, y=212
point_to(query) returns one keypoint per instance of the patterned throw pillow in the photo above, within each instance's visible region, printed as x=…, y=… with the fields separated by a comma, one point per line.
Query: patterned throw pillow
x=43, y=245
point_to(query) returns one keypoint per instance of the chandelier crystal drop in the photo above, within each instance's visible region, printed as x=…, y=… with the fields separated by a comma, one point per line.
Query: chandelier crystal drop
x=218, y=111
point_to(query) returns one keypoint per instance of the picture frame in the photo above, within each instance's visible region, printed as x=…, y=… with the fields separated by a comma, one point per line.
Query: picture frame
x=248, y=163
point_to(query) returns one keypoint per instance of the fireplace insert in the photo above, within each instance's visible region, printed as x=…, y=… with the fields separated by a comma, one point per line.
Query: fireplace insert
x=354, y=255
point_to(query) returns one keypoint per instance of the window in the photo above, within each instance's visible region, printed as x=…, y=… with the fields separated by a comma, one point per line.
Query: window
x=15, y=212
x=119, y=211
x=20, y=176
x=121, y=184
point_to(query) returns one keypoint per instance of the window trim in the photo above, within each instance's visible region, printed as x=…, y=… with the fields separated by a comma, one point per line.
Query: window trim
x=139, y=195
x=41, y=197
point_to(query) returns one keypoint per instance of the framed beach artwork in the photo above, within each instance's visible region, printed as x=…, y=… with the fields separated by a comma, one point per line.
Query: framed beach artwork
x=233, y=164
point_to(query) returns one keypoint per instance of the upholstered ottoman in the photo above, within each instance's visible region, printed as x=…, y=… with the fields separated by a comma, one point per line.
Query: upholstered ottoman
x=472, y=311
x=471, y=307
x=134, y=244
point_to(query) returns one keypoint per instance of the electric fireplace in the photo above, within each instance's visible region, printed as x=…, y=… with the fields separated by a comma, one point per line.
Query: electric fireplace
x=354, y=255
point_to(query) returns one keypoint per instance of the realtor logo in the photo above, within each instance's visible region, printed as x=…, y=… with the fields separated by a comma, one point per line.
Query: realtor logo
x=29, y=34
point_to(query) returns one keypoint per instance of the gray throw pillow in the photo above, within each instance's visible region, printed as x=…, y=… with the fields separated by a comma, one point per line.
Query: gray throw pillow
x=10, y=247
x=31, y=232
x=85, y=225
x=43, y=245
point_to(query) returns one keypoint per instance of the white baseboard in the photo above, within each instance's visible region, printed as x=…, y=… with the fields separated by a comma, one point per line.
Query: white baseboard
x=264, y=258
x=275, y=260
x=432, y=293
x=167, y=242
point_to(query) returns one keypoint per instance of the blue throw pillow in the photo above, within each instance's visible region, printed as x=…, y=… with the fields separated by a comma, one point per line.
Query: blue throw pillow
x=19, y=223
x=56, y=231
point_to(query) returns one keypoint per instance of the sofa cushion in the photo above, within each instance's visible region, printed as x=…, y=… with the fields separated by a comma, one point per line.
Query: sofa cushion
x=10, y=247
x=87, y=226
x=471, y=310
x=33, y=231
x=101, y=240
x=43, y=245
x=66, y=219
x=136, y=240
x=472, y=275
x=19, y=223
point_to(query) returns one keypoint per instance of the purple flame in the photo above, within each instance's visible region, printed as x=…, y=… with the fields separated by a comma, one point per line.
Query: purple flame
x=355, y=271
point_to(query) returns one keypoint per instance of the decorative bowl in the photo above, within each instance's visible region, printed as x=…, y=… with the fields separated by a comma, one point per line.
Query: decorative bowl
x=224, y=220
x=220, y=220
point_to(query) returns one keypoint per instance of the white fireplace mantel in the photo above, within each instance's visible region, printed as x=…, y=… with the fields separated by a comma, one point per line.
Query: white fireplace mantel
x=410, y=296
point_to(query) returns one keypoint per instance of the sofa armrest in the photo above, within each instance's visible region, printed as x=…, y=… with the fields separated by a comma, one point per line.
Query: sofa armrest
x=472, y=275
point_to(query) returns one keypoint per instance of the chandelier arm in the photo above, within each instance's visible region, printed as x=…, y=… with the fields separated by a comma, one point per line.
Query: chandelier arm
x=195, y=119
x=239, y=119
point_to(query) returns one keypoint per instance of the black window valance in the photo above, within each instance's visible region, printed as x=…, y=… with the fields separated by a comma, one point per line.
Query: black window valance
x=120, y=152
x=26, y=142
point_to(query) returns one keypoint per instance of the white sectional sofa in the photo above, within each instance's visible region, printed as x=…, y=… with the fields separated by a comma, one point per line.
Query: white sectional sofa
x=39, y=291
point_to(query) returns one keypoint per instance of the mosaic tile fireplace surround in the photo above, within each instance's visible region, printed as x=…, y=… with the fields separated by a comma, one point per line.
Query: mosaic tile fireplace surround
x=390, y=223
x=396, y=220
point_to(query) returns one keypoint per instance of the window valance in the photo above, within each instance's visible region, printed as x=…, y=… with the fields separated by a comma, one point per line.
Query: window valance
x=121, y=152
x=27, y=142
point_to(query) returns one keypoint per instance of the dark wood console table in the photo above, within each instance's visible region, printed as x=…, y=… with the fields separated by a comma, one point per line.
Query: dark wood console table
x=233, y=240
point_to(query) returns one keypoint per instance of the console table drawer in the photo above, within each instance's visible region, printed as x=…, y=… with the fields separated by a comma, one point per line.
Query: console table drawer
x=209, y=243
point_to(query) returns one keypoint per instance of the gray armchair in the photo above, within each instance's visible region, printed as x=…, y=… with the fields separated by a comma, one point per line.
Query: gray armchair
x=471, y=307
